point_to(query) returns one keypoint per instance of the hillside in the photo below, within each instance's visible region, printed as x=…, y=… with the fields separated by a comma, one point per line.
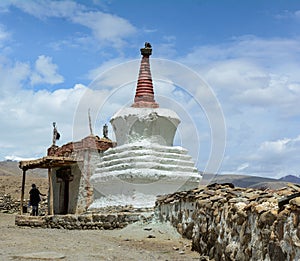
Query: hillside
x=11, y=179
x=11, y=168
x=291, y=178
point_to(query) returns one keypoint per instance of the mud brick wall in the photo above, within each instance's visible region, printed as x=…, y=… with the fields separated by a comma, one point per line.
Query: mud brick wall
x=226, y=223
x=74, y=149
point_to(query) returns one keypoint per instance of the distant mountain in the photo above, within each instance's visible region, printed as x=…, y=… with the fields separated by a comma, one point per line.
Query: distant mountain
x=246, y=181
x=11, y=168
x=291, y=178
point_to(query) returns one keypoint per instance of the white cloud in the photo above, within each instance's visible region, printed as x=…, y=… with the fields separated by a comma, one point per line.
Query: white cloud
x=46, y=8
x=272, y=159
x=258, y=85
x=286, y=14
x=106, y=28
x=4, y=35
x=149, y=30
x=275, y=147
x=250, y=71
x=242, y=167
x=5, y=39
x=16, y=158
x=27, y=116
x=30, y=115
x=45, y=72
x=12, y=76
x=248, y=48
x=109, y=65
x=279, y=157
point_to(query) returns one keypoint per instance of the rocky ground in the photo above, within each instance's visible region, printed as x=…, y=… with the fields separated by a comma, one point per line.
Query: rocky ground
x=139, y=241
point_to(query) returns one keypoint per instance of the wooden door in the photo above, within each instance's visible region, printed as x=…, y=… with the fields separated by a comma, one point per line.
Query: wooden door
x=64, y=176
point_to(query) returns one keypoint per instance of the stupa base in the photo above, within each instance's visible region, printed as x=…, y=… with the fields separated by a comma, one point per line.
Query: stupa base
x=138, y=200
x=137, y=192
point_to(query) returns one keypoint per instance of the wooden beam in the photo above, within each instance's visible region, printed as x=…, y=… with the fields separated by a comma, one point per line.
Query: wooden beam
x=22, y=191
x=47, y=162
x=50, y=199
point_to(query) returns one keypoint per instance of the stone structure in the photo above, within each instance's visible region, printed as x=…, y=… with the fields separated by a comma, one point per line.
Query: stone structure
x=12, y=206
x=69, y=170
x=72, y=190
x=84, y=221
x=145, y=163
x=226, y=223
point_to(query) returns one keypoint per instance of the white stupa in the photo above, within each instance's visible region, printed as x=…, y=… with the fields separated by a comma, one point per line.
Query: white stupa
x=144, y=163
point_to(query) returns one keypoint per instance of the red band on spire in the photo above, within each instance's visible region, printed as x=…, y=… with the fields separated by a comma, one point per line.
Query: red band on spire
x=144, y=95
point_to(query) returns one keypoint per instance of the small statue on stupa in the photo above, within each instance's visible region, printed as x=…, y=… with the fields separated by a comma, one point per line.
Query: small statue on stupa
x=56, y=134
x=105, y=131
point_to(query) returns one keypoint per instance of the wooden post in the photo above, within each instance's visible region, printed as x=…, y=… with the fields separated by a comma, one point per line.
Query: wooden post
x=22, y=191
x=50, y=199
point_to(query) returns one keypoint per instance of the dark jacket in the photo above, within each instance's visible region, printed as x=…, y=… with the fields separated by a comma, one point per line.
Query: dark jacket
x=34, y=197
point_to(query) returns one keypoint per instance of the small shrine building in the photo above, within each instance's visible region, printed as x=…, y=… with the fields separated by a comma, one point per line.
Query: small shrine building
x=69, y=170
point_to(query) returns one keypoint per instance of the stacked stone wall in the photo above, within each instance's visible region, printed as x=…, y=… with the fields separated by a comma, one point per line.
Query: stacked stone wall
x=84, y=221
x=226, y=223
x=12, y=206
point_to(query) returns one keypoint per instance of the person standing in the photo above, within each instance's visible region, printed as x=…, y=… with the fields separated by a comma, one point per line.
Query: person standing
x=35, y=199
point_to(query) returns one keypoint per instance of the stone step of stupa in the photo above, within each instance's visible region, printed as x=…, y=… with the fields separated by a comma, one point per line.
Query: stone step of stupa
x=143, y=152
x=146, y=158
x=139, y=165
x=140, y=176
x=146, y=145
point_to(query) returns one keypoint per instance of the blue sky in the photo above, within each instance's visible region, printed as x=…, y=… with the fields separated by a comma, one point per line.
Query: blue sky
x=247, y=52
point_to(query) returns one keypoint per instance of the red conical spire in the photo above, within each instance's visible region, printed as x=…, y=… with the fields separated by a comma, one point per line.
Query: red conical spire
x=144, y=95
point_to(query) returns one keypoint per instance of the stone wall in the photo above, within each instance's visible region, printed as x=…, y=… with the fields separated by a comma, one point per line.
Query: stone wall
x=84, y=221
x=12, y=206
x=226, y=223
x=8, y=205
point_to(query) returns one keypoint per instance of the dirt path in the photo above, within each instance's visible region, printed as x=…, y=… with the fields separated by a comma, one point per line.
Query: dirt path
x=136, y=242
